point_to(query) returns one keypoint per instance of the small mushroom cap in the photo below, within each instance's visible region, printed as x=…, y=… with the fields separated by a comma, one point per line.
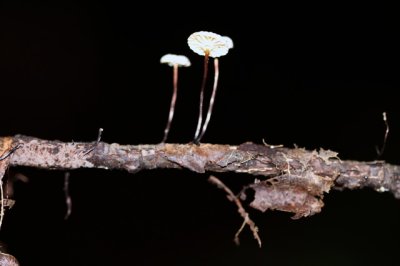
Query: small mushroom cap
x=203, y=42
x=228, y=41
x=173, y=59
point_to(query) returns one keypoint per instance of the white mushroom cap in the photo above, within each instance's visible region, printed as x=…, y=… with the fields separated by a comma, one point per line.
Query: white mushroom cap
x=203, y=42
x=228, y=41
x=173, y=59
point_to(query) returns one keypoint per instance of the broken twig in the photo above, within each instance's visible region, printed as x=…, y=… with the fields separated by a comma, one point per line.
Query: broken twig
x=241, y=210
x=68, y=200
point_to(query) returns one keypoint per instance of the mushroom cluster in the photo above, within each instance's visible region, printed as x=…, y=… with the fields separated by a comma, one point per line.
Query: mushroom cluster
x=207, y=44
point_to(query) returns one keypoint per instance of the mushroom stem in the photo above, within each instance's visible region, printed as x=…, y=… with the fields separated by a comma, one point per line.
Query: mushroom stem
x=173, y=101
x=212, y=99
x=203, y=85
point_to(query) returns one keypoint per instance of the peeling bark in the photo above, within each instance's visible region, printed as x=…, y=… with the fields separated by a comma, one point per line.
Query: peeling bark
x=293, y=180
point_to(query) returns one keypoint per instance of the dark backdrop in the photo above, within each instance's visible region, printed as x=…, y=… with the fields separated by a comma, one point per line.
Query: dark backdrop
x=312, y=76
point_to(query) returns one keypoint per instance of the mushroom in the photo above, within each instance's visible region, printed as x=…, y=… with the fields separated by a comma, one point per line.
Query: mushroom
x=208, y=44
x=229, y=44
x=175, y=61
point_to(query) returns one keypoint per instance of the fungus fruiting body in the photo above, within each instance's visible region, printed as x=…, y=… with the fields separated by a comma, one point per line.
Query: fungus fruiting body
x=175, y=61
x=208, y=44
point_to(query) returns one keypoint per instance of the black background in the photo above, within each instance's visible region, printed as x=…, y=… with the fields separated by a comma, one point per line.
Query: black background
x=314, y=76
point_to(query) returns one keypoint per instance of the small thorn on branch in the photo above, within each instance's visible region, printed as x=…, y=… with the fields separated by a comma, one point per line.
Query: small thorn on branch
x=241, y=210
x=272, y=146
x=95, y=145
x=380, y=151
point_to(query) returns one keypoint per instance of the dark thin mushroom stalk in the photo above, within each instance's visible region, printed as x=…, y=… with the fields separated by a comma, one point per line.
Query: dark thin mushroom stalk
x=175, y=61
x=207, y=44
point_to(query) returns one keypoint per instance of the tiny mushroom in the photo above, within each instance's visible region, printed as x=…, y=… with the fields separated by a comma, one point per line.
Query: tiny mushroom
x=208, y=44
x=175, y=61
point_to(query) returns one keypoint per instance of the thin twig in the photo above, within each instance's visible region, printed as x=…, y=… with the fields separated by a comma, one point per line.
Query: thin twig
x=241, y=210
x=95, y=145
x=272, y=146
x=247, y=158
x=68, y=200
x=10, y=151
x=380, y=151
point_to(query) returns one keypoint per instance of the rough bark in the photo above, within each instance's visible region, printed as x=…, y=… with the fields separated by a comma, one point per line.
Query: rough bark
x=292, y=180
x=8, y=260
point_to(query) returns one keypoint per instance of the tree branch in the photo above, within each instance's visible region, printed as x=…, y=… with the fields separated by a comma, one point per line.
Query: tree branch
x=292, y=180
